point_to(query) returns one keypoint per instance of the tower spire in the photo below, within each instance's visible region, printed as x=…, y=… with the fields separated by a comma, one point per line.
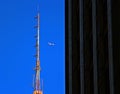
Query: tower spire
x=37, y=88
x=38, y=34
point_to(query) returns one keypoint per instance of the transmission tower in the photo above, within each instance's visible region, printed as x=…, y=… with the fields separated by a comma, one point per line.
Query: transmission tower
x=37, y=80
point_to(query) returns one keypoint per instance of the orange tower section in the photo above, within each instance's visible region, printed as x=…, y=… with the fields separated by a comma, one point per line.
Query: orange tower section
x=37, y=84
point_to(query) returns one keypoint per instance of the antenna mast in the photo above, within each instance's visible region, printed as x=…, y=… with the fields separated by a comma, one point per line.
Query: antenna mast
x=37, y=86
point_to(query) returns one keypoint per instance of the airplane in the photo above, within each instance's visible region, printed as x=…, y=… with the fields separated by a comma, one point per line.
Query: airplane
x=51, y=43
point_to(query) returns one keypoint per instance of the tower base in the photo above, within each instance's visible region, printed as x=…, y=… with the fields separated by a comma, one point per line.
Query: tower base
x=37, y=92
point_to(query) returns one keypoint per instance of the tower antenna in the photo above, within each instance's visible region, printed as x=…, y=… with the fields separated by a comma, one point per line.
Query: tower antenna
x=37, y=88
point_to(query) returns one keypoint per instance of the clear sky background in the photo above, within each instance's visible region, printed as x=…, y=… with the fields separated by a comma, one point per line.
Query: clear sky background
x=17, y=46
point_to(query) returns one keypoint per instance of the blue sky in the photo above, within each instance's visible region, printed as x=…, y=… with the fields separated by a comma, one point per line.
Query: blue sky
x=17, y=46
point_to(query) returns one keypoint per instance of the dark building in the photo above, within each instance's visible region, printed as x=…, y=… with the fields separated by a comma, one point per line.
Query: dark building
x=92, y=40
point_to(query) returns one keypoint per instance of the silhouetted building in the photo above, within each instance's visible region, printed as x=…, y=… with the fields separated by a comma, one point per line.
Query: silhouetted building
x=92, y=39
